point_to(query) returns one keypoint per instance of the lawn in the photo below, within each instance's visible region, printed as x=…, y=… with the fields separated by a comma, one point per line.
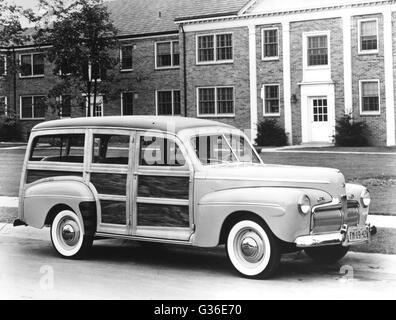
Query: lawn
x=376, y=172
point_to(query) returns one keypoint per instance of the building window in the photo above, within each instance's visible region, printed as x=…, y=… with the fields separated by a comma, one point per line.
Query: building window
x=3, y=65
x=65, y=106
x=368, y=36
x=318, y=50
x=3, y=106
x=167, y=54
x=168, y=102
x=271, y=100
x=215, y=48
x=127, y=103
x=270, y=44
x=32, y=65
x=126, y=57
x=216, y=101
x=97, y=109
x=32, y=107
x=369, y=97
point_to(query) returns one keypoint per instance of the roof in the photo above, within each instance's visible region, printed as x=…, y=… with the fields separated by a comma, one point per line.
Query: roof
x=134, y=17
x=161, y=123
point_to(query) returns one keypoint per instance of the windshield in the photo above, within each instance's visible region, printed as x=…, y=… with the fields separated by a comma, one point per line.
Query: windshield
x=223, y=148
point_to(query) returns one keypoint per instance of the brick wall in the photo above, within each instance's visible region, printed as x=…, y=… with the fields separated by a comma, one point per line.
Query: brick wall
x=269, y=72
x=369, y=66
x=234, y=74
x=296, y=59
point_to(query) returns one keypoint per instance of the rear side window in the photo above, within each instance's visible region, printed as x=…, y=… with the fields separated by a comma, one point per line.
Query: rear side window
x=58, y=148
x=111, y=149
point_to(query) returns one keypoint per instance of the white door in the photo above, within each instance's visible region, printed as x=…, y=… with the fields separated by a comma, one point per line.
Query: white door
x=321, y=128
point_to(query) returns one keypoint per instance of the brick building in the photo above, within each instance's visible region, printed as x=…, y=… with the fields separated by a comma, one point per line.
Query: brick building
x=304, y=63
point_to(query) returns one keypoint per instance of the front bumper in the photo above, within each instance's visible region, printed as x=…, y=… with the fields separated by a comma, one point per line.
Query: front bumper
x=334, y=238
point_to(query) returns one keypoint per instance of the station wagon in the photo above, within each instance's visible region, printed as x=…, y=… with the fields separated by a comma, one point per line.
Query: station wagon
x=184, y=181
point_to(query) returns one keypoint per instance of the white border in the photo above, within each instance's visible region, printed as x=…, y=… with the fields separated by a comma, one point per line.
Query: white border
x=264, y=98
x=172, y=66
x=360, y=51
x=214, y=61
x=263, y=58
x=216, y=114
x=32, y=106
x=370, y=113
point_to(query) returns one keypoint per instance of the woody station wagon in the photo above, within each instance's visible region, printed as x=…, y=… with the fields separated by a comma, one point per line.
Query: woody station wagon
x=183, y=181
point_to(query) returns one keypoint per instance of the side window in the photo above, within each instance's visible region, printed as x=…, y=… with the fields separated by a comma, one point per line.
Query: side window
x=160, y=151
x=111, y=149
x=58, y=148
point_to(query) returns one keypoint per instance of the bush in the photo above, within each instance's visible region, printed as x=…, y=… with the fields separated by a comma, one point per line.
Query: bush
x=269, y=133
x=9, y=129
x=350, y=133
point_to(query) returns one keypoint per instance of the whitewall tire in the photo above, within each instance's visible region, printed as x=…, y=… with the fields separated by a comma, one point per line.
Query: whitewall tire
x=252, y=249
x=67, y=235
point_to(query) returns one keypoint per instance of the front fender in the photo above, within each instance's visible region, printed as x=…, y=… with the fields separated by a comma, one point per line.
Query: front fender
x=276, y=206
x=40, y=197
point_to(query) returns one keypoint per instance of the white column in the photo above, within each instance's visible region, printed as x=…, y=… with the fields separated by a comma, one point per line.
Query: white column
x=287, y=79
x=347, y=44
x=389, y=79
x=253, y=82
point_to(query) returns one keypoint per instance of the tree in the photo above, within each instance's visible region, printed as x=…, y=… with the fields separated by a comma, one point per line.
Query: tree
x=82, y=40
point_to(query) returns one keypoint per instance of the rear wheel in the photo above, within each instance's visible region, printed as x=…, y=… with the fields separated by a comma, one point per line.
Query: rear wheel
x=327, y=254
x=67, y=235
x=252, y=249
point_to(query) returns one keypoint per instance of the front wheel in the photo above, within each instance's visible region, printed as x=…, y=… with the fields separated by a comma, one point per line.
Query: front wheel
x=327, y=254
x=67, y=235
x=252, y=249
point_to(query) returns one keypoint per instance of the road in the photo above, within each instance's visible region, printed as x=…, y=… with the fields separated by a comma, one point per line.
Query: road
x=30, y=269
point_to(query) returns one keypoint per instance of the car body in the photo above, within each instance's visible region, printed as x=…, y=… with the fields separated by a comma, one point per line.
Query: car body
x=184, y=181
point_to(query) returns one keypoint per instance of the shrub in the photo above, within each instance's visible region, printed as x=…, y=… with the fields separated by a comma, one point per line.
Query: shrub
x=9, y=129
x=269, y=133
x=351, y=133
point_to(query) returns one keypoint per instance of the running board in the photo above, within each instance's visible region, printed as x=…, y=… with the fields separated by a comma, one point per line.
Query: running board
x=146, y=239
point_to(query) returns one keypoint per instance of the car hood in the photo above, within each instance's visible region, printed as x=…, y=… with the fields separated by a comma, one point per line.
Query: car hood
x=326, y=179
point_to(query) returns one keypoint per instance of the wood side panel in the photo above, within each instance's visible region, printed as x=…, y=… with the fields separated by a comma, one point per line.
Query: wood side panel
x=163, y=187
x=113, y=212
x=34, y=175
x=110, y=183
x=159, y=215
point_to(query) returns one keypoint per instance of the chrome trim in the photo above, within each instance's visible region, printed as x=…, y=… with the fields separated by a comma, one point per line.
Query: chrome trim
x=326, y=239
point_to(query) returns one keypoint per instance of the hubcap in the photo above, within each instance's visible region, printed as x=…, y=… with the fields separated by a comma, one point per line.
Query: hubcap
x=69, y=232
x=249, y=246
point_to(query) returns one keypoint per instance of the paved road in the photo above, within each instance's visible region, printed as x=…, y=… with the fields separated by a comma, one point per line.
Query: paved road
x=29, y=268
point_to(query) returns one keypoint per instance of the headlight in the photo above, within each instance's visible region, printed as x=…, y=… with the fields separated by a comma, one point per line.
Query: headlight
x=365, y=197
x=304, y=205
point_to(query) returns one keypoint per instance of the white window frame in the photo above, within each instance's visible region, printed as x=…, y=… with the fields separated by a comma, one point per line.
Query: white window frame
x=31, y=60
x=88, y=106
x=307, y=35
x=265, y=114
x=126, y=45
x=360, y=51
x=173, y=100
x=122, y=100
x=264, y=58
x=32, y=106
x=369, y=113
x=5, y=104
x=215, y=61
x=216, y=114
x=90, y=74
x=172, y=66
x=5, y=65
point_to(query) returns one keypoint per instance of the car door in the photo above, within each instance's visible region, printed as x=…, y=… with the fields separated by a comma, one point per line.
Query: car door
x=163, y=188
x=110, y=172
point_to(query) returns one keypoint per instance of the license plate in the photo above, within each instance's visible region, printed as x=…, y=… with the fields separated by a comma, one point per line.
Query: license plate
x=357, y=234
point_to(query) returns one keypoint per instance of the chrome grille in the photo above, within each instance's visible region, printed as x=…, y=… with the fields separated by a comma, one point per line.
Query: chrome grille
x=352, y=214
x=326, y=221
